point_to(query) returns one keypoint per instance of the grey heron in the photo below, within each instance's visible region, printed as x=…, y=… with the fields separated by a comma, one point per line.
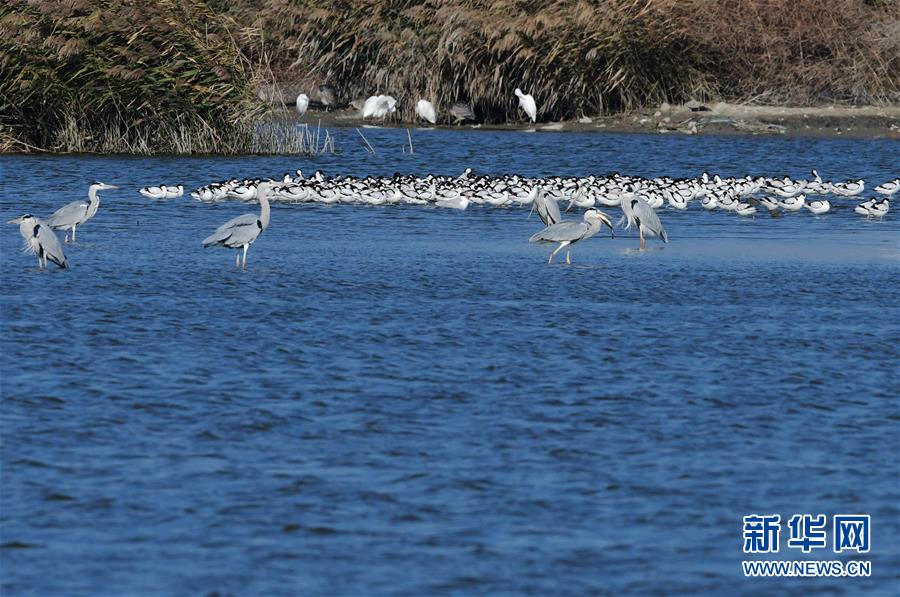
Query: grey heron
x=40, y=240
x=328, y=96
x=239, y=233
x=546, y=208
x=426, y=111
x=526, y=102
x=637, y=211
x=462, y=111
x=569, y=232
x=78, y=212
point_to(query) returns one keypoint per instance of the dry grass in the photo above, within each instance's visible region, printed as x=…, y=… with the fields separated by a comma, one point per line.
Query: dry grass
x=581, y=57
x=88, y=75
x=182, y=75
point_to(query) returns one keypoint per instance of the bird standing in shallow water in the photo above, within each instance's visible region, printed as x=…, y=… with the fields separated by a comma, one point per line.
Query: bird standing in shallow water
x=40, y=240
x=78, y=212
x=569, y=232
x=526, y=102
x=240, y=232
x=637, y=211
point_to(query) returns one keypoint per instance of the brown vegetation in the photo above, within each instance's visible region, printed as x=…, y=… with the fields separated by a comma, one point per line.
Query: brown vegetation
x=143, y=72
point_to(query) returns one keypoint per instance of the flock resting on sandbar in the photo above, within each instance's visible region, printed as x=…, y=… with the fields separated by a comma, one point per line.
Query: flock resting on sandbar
x=638, y=198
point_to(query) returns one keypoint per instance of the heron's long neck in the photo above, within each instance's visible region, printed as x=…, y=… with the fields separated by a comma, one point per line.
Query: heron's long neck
x=92, y=196
x=264, y=208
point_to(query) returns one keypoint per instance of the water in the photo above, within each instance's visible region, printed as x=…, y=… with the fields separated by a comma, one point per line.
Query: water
x=408, y=400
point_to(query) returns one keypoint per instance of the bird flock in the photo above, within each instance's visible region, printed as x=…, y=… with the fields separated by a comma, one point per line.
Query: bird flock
x=380, y=106
x=639, y=199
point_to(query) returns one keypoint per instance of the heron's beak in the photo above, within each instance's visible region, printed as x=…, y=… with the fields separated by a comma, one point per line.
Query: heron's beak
x=111, y=186
x=569, y=206
x=532, y=209
x=605, y=219
x=14, y=221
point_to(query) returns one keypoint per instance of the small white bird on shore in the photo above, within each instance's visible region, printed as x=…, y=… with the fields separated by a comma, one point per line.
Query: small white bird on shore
x=379, y=106
x=302, y=103
x=425, y=110
x=526, y=102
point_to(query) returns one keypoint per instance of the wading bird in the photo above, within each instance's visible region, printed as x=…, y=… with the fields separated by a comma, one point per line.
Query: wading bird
x=302, y=103
x=569, y=232
x=637, y=211
x=40, y=240
x=425, y=110
x=547, y=208
x=379, y=106
x=328, y=96
x=462, y=111
x=240, y=232
x=526, y=102
x=78, y=212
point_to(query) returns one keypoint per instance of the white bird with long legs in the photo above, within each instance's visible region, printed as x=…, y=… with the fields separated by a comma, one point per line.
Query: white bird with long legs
x=425, y=110
x=526, y=102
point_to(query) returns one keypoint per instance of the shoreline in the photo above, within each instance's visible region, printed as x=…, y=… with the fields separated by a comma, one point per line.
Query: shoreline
x=721, y=118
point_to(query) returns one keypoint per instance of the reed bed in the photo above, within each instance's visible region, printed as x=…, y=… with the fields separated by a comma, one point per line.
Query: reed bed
x=184, y=76
x=122, y=75
x=581, y=57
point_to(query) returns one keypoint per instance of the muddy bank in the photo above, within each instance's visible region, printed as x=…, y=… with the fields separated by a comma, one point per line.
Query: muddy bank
x=688, y=119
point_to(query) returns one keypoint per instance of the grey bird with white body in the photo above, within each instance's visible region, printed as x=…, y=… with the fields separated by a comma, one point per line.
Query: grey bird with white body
x=240, y=232
x=77, y=213
x=569, y=232
x=40, y=240
x=637, y=211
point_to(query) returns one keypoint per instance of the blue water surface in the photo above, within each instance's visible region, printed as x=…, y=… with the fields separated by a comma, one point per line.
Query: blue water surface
x=408, y=400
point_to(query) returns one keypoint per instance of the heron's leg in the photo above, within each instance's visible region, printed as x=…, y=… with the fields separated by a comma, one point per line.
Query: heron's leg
x=641, y=234
x=66, y=239
x=568, y=257
x=73, y=233
x=553, y=254
x=245, y=256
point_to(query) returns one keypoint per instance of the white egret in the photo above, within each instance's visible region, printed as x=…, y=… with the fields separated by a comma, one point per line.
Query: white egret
x=526, y=102
x=302, y=103
x=425, y=110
